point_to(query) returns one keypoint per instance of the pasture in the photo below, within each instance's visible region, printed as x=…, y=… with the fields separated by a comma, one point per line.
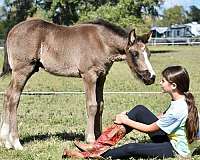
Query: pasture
x=50, y=123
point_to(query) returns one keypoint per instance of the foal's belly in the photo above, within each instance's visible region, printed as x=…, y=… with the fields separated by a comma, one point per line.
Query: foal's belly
x=61, y=70
x=58, y=63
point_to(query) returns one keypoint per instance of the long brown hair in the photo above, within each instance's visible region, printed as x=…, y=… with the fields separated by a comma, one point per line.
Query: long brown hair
x=180, y=76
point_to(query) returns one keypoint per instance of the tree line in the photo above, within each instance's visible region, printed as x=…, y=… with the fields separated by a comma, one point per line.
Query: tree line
x=139, y=14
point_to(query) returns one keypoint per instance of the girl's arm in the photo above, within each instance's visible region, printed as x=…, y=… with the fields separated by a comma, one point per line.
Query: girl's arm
x=123, y=119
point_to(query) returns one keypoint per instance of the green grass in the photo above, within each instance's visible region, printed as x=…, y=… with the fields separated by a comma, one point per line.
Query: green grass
x=48, y=124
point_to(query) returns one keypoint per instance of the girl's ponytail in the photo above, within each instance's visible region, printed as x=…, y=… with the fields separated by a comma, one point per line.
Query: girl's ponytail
x=192, y=122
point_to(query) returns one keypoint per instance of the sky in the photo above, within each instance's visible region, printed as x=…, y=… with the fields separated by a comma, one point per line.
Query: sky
x=170, y=3
x=1, y=2
x=185, y=3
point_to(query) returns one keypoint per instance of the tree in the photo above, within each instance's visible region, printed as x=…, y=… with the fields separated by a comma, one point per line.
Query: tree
x=194, y=14
x=175, y=15
x=16, y=11
x=61, y=11
x=67, y=12
x=126, y=13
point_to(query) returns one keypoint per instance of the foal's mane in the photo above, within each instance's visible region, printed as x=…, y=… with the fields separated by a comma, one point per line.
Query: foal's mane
x=112, y=27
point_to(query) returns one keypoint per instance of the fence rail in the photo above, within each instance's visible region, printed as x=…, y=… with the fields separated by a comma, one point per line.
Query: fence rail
x=77, y=93
x=175, y=41
x=157, y=41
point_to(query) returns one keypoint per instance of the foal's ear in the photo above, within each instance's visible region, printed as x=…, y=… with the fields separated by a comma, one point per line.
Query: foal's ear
x=132, y=37
x=147, y=37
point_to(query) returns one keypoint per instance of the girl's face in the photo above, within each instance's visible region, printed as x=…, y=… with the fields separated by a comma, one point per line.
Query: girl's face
x=166, y=86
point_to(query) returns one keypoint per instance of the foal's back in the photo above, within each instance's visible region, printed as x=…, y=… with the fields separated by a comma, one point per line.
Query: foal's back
x=62, y=50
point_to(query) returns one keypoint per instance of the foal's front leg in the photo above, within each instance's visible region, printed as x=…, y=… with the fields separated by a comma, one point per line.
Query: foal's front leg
x=89, y=80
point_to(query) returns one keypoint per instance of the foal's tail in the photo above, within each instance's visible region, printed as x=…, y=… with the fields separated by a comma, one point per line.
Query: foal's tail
x=6, y=66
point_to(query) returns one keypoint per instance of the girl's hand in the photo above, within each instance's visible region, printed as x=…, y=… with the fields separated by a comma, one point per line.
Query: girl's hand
x=121, y=118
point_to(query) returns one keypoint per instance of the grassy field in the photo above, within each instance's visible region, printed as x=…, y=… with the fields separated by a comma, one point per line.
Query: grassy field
x=48, y=124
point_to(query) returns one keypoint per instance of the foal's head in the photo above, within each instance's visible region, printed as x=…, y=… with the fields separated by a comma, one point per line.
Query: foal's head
x=138, y=57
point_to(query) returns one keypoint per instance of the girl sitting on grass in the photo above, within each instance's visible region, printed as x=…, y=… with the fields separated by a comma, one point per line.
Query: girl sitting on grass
x=171, y=133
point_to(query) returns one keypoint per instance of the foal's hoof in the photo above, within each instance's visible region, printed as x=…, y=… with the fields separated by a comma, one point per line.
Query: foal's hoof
x=13, y=144
x=90, y=139
x=8, y=145
x=17, y=145
x=5, y=143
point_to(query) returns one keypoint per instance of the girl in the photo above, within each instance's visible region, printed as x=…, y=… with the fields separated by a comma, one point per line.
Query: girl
x=171, y=133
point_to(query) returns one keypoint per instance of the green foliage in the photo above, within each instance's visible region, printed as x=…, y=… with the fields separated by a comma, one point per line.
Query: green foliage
x=194, y=14
x=68, y=12
x=175, y=15
x=16, y=11
x=137, y=14
x=126, y=13
x=63, y=12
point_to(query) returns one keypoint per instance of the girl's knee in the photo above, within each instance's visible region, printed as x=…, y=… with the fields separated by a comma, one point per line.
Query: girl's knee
x=138, y=108
x=137, y=111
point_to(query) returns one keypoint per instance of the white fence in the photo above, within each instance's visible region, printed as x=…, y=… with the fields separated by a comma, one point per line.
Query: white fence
x=157, y=41
x=60, y=93
x=175, y=41
x=78, y=93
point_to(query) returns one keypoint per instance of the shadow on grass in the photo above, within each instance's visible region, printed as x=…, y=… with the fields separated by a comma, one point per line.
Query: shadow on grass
x=162, y=51
x=61, y=136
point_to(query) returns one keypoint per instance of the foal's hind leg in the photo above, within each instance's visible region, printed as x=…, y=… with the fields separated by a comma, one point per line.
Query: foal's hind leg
x=9, y=130
x=100, y=106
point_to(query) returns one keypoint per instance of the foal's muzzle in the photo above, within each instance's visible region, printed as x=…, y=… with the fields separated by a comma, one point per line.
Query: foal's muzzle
x=146, y=77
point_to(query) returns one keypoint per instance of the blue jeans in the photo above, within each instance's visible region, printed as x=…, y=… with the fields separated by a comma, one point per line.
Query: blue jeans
x=160, y=147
